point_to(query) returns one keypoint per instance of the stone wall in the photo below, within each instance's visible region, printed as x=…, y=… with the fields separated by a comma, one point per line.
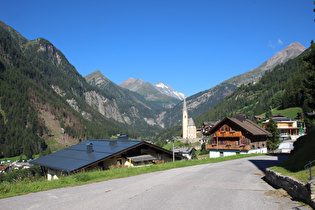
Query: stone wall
x=298, y=190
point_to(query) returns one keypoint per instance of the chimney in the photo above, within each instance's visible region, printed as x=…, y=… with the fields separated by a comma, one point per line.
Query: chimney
x=241, y=117
x=89, y=147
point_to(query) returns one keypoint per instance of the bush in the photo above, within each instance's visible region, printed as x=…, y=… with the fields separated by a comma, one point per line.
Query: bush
x=32, y=173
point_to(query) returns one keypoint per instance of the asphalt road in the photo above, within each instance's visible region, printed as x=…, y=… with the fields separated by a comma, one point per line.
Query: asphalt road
x=235, y=184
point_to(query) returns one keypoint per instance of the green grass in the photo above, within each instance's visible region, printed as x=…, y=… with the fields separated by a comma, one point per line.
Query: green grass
x=53, y=145
x=29, y=186
x=302, y=154
x=13, y=159
x=169, y=146
x=203, y=156
x=302, y=175
x=290, y=112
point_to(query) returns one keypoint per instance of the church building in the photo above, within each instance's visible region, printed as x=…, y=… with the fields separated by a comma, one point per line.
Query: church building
x=189, y=127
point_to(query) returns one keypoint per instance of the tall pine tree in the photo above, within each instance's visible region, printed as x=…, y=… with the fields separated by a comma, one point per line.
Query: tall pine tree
x=273, y=141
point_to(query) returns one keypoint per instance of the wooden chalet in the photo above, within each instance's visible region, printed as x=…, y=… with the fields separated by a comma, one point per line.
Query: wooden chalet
x=237, y=136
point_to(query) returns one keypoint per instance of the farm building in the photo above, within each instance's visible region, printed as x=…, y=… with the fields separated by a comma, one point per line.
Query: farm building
x=102, y=154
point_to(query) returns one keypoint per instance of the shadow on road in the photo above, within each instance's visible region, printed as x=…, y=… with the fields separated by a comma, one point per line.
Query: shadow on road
x=263, y=164
x=278, y=192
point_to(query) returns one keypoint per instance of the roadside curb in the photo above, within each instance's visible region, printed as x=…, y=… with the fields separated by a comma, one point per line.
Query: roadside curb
x=298, y=190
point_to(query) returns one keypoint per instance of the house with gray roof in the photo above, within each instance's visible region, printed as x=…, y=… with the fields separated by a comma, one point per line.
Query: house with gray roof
x=184, y=151
x=102, y=154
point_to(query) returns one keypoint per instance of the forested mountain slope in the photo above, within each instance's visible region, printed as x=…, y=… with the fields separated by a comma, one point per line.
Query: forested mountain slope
x=203, y=101
x=147, y=96
x=255, y=99
x=44, y=99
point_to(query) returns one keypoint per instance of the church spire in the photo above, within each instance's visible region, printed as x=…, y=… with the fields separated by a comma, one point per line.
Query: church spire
x=185, y=120
x=184, y=106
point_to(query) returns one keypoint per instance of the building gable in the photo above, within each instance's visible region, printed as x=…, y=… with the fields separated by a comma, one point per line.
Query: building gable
x=247, y=127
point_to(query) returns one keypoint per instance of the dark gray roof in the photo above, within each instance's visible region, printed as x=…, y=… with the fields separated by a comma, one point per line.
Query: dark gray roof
x=141, y=158
x=184, y=150
x=282, y=118
x=76, y=157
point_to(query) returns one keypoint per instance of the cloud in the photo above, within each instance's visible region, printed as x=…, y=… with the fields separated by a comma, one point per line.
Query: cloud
x=280, y=42
x=275, y=44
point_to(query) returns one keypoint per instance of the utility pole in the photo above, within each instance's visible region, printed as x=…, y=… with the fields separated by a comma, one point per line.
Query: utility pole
x=173, y=150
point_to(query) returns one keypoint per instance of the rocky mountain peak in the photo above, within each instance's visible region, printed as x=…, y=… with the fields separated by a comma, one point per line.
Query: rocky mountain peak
x=132, y=84
x=291, y=51
x=127, y=82
x=136, y=85
x=159, y=83
x=168, y=90
x=139, y=81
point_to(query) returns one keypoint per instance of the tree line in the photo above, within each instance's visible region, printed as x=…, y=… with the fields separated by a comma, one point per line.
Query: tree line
x=287, y=85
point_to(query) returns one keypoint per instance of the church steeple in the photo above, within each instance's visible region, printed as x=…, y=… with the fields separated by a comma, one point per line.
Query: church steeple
x=184, y=106
x=185, y=120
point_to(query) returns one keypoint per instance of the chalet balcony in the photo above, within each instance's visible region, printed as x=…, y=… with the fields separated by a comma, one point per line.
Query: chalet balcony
x=227, y=147
x=229, y=134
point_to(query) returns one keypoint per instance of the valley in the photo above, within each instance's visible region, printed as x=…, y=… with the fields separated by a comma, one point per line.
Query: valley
x=65, y=108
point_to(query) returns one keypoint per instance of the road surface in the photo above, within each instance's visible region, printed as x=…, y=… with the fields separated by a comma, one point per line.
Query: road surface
x=235, y=184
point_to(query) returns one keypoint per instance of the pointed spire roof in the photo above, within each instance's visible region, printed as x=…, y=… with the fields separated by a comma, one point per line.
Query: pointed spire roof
x=184, y=105
x=191, y=122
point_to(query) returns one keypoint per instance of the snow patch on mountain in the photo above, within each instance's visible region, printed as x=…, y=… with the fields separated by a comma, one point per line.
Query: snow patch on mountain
x=168, y=90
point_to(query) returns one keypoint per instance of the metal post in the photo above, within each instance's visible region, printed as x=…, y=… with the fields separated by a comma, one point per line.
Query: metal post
x=173, y=152
x=310, y=166
x=310, y=170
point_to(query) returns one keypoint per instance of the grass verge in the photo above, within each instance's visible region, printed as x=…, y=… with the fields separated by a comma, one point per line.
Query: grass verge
x=302, y=175
x=29, y=186
x=302, y=154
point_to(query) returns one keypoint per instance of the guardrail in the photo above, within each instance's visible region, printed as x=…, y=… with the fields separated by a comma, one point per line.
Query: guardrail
x=309, y=165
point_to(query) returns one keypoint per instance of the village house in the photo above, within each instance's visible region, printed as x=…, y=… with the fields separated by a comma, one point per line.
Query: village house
x=288, y=128
x=233, y=136
x=102, y=154
x=206, y=127
x=18, y=165
x=5, y=169
x=184, y=151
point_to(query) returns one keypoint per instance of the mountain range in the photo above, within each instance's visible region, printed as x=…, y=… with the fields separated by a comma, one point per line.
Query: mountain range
x=46, y=103
x=139, y=86
x=205, y=100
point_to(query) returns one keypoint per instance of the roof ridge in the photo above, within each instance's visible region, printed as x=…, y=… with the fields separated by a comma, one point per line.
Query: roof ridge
x=260, y=128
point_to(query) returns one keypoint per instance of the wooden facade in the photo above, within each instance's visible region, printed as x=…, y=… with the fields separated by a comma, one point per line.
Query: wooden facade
x=237, y=134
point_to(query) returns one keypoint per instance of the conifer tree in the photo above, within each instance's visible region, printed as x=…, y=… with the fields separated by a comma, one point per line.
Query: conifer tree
x=273, y=140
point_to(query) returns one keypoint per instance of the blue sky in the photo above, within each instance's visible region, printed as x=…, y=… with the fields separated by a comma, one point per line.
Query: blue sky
x=191, y=45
